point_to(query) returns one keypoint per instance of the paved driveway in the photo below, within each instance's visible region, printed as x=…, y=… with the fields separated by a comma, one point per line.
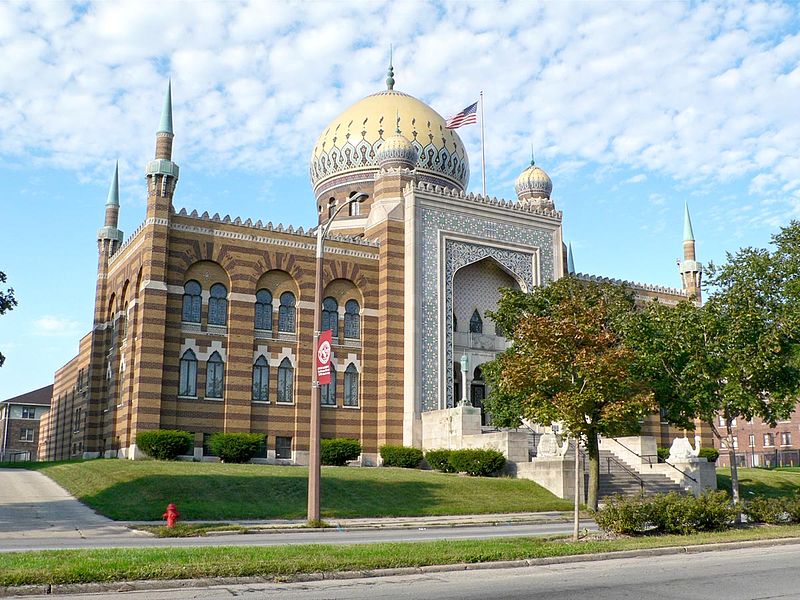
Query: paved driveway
x=33, y=506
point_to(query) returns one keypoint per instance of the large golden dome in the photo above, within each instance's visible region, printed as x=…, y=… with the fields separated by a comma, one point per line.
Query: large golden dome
x=348, y=148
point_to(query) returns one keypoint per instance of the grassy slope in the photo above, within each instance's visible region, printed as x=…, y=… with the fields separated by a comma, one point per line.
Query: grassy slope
x=784, y=481
x=140, y=490
x=76, y=566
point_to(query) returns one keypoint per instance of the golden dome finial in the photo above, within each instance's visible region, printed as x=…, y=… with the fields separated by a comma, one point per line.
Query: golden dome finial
x=390, y=72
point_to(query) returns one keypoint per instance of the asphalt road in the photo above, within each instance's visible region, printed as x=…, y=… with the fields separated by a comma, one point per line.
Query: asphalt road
x=753, y=573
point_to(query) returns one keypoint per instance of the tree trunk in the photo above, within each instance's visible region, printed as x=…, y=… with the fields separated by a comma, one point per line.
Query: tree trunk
x=593, y=451
x=734, y=468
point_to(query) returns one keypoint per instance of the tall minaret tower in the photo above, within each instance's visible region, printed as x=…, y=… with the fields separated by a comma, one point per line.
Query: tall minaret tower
x=109, y=237
x=690, y=269
x=162, y=173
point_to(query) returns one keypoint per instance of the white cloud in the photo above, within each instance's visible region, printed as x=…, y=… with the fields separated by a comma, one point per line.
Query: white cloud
x=53, y=326
x=701, y=93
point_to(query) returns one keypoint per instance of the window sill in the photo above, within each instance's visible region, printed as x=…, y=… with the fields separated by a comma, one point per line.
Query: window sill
x=346, y=407
x=213, y=399
x=328, y=406
x=259, y=401
x=285, y=403
x=187, y=397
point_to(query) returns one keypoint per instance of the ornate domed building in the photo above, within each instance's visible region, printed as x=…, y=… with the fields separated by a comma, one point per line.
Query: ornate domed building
x=205, y=323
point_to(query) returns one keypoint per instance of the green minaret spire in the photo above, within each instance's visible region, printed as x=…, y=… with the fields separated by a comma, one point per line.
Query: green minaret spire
x=166, y=113
x=688, y=233
x=113, y=190
x=570, y=260
x=390, y=72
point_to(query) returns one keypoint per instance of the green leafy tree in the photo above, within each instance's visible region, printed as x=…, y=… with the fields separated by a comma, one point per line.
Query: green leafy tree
x=734, y=357
x=567, y=363
x=7, y=302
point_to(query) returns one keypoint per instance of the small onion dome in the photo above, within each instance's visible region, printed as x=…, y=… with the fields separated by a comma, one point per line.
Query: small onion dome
x=533, y=183
x=397, y=151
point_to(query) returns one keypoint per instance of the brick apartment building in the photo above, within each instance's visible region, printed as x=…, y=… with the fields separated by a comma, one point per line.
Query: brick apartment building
x=759, y=445
x=19, y=424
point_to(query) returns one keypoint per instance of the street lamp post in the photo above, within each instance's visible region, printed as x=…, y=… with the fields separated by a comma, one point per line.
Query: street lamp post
x=465, y=401
x=314, y=433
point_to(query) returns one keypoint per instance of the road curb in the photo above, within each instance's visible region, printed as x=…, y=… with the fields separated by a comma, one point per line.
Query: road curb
x=167, y=584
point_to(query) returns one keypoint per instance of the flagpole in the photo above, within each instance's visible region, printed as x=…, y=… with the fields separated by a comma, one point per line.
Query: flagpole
x=483, y=151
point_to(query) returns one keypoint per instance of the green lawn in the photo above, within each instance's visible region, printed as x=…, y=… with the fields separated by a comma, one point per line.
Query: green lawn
x=141, y=490
x=782, y=481
x=275, y=562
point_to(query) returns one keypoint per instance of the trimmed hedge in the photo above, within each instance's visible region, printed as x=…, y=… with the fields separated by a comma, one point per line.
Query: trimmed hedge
x=477, y=462
x=337, y=451
x=663, y=454
x=439, y=460
x=401, y=456
x=667, y=513
x=164, y=444
x=235, y=447
x=774, y=511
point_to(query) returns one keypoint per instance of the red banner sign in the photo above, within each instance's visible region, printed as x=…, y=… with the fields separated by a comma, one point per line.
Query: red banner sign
x=324, y=353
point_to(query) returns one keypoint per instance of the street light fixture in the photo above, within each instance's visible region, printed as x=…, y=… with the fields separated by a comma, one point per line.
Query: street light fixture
x=314, y=433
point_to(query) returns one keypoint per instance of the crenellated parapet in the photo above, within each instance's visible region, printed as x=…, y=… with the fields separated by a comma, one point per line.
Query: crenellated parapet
x=634, y=285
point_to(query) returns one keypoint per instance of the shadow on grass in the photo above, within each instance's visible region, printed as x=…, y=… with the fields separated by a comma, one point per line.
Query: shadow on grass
x=216, y=497
x=758, y=482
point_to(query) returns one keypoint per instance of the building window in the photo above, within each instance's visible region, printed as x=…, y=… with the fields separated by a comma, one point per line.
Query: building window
x=28, y=412
x=26, y=434
x=328, y=391
x=735, y=442
x=191, y=302
x=331, y=207
x=786, y=438
x=662, y=415
x=352, y=320
x=263, y=310
x=261, y=380
x=76, y=420
x=207, y=451
x=476, y=323
x=351, y=385
x=354, y=209
x=285, y=381
x=286, y=312
x=752, y=440
x=218, y=305
x=188, y=375
x=283, y=447
x=330, y=316
x=215, y=373
x=769, y=439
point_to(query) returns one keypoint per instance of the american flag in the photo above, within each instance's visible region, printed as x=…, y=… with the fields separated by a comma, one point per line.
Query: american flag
x=465, y=117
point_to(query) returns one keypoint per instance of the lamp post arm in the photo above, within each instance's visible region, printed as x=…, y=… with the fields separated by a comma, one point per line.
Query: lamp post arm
x=322, y=230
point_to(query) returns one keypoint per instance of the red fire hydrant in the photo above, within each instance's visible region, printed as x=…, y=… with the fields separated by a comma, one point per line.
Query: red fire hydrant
x=171, y=515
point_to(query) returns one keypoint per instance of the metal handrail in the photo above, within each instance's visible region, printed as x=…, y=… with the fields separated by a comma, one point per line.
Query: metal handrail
x=649, y=462
x=626, y=468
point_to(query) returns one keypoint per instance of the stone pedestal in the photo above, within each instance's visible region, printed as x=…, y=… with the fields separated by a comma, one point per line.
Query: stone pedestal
x=554, y=473
x=445, y=429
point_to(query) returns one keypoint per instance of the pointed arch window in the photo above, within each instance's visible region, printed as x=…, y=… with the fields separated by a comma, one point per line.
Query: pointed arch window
x=261, y=380
x=352, y=320
x=328, y=391
x=476, y=323
x=191, y=302
x=215, y=375
x=331, y=207
x=187, y=385
x=285, y=381
x=330, y=316
x=286, y=313
x=351, y=385
x=263, y=318
x=218, y=305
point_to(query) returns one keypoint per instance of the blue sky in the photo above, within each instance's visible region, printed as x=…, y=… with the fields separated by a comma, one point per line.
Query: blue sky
x=633, y=108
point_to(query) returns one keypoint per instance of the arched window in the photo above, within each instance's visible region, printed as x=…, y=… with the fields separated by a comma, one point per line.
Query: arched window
x=215, y=374
x=330, y=316
x=328, y=391
x=191, y=302
x=261, y=380
x=475, y=323
x=352, y=320
x=331, y=207
x=351, y=385
x=218, y=305
x=354, y=209
x=285, y=381
x=286, y=313
x=187, y=385
x=263, y=319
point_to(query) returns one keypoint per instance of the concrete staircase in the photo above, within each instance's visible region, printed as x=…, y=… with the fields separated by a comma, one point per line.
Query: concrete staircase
x=616, y=477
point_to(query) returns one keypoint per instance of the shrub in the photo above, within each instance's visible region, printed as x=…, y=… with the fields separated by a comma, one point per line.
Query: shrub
x=439, y=460
x=667, y=513
x=164, y=444
x=768, y=510
x=712, y=454
x=663, y=454
x=337, y=451
x=477, y=462
x=401, y=456
x=235, y=447
x=792, y=506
